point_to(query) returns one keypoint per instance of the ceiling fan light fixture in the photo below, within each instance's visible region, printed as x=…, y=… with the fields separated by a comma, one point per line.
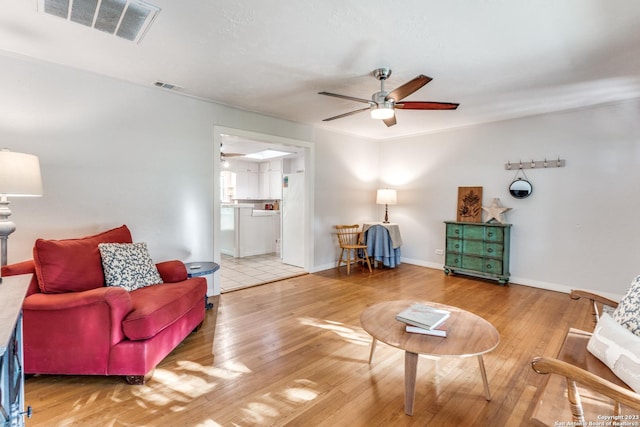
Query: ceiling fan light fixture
x=383, y=103
x=382, y=113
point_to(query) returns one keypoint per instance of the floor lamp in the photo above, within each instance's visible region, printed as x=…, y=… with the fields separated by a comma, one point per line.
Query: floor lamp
x=386, y=197
x=19, y=177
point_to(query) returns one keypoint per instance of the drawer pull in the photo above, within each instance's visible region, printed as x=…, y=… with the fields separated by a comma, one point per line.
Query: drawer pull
x=490, y=250
x=457, y=246
x=490, y=234
x=457, y=231
x=488, y=266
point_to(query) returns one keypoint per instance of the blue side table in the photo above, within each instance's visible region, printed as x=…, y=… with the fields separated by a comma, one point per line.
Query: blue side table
x=197, y=269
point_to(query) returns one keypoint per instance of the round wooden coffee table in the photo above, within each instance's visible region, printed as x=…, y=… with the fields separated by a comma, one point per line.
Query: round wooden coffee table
x=467, y=335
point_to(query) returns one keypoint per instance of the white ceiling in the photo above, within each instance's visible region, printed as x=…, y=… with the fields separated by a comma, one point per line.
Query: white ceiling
x=499, y=59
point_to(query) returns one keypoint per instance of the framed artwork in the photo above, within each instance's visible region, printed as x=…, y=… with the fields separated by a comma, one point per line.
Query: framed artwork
x=469, y=204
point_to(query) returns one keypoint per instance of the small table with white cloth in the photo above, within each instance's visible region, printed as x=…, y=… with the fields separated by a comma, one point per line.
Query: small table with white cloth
x=383, y=242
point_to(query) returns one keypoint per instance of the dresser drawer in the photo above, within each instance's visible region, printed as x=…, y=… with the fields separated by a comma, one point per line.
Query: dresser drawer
x=492, y=266
x=493, y=249
x=487, y=265
x=494, y=234
x=454, y=230
x=454, y=245
x=453, y=259
x=480, y=248
x=473, y=247
x=472, y=263
x=472, y=232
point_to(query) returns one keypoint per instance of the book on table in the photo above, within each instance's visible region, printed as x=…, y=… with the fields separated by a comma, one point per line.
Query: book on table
x=440, y=331
x=423, y=316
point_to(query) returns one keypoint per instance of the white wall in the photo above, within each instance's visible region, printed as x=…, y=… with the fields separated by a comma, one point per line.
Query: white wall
x=110, y=153
x=346, y=179
x=114, y=153
x=579, y=228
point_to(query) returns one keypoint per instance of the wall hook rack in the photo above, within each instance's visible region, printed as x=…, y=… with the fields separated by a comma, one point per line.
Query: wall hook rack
x=536, y=164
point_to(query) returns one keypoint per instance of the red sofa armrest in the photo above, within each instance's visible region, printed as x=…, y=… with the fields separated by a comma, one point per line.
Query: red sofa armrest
x=73, y=332
x=172, y=271
x=23, y=267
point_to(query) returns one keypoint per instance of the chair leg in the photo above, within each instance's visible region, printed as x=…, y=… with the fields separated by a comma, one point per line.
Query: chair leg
x=575, y=402
x=366, y=257
x=341, y=257
x=348, y=262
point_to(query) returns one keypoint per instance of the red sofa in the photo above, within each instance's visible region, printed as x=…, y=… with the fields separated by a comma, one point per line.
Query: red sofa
x=74, y=324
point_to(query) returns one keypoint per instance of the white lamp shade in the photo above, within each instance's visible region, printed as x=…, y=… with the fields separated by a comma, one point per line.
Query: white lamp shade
x=386, y=197
x=19, y=174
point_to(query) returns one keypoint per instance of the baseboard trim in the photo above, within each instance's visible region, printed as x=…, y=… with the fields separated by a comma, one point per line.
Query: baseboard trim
x=524, y=281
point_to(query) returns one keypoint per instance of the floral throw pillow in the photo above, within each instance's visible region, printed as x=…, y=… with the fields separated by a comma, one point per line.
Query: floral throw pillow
x=128, y=265
x=628, y=311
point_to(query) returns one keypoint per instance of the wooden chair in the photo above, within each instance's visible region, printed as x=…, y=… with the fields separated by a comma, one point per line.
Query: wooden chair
x=584, y=387
x=351, y=241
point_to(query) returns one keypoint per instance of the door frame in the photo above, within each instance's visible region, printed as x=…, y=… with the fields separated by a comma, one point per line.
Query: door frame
x=309, y=154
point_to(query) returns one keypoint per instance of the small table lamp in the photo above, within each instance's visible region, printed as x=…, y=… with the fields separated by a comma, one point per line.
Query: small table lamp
x=386, y=197
x=19, y=177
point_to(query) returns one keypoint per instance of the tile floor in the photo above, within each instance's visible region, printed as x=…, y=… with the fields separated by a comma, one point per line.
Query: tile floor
x=238, y=273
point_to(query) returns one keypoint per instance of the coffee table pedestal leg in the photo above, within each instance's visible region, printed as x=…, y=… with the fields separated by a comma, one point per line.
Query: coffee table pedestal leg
x=410, y=369
x=483, y=372
x=373, y=348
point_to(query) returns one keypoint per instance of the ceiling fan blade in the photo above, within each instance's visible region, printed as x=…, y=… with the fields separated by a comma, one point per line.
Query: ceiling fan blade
x=345, y=114
x=408, y=88
x=426, y=105
x=390, y=121
x=351, y=98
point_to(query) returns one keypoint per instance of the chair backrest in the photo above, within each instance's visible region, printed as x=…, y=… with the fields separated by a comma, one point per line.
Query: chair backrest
x=348, y=235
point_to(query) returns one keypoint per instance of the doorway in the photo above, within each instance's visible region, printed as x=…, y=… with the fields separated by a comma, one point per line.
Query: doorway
x=249, y=269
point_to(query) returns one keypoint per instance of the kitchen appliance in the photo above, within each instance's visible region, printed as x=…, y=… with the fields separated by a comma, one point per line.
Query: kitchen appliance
x=293, y=214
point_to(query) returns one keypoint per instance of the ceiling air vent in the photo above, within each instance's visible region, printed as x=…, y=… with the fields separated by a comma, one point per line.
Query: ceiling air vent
x=169, y=86
x=129, y=19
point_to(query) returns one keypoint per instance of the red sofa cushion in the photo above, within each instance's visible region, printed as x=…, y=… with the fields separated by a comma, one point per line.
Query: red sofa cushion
x=74, y=265
x=157, y=307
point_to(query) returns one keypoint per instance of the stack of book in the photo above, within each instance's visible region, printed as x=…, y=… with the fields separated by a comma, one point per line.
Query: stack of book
x=424, y=319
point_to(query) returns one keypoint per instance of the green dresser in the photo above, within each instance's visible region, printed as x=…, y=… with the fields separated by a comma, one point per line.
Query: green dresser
x=478, y=249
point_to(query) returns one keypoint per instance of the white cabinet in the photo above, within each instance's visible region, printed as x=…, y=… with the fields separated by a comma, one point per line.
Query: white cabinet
x=265, y=191
x=271, y=180
x=252, y=181
x=246, y=232
x=275, y=184
x=275, y=165
x=257, y=234
x=247, y=185
x=247, y=180
x=228, y=226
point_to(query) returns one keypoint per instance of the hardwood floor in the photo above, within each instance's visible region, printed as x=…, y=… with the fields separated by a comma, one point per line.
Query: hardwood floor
x=293, y=353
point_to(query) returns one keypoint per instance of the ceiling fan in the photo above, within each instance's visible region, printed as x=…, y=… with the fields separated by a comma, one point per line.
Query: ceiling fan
x=382, y=104
x=227, y=154
x=224, y=157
